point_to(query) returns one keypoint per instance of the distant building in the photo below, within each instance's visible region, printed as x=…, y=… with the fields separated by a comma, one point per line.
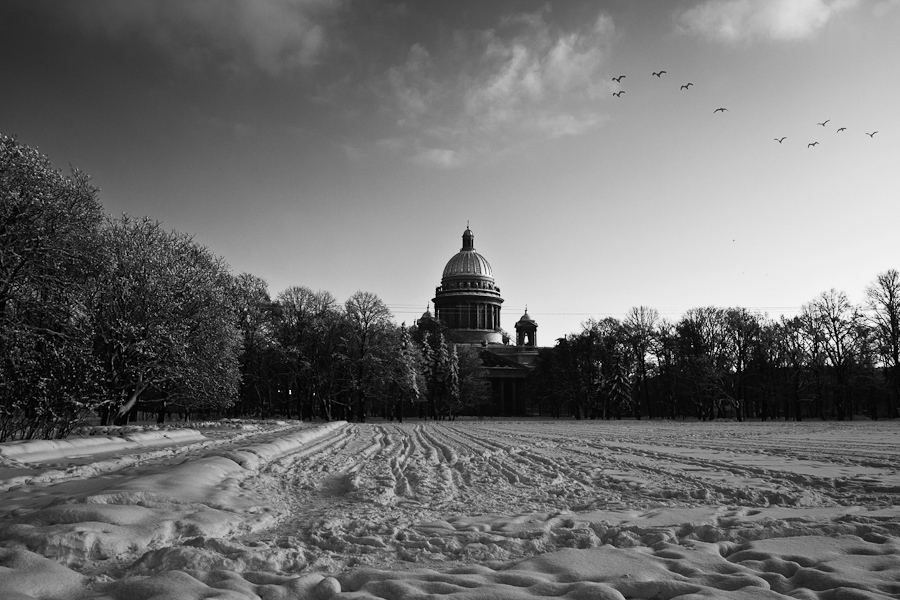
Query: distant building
x=468, y=300
x=467, y=306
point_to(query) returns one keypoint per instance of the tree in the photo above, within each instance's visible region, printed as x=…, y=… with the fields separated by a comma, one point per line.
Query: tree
x=765, y=359
x=665, y=352
x=837, y=322
x=640, y=330
x=704, y=358
x=440, y=366
x=794, y=356
x=884, y=313
x=326, y=381
x=742, y=330
x=605, y=346
x=165, y=319
x=298, y=309
x=368, y=321
x=49, y=235
x=550, y=381
x=617, y=389
x=404, y=375
x=474, y=388
x=253, y=308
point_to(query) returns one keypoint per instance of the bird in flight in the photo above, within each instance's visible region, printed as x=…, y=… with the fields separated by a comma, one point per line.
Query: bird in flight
x=780, y=140
x=841, y=129
x=659, y=74
x=813, y=144
x=686, y=86
x=872, y=134
x=619, y=78
x=619, y=93
x=720, y=109
x=823, y=124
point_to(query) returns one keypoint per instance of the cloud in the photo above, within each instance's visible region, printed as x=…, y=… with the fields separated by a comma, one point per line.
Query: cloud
x=523, y=78
x=437, y=157
x=413, y=87
x=883, y=7
x=748, y=20
x=556, y=126
x=275, y=36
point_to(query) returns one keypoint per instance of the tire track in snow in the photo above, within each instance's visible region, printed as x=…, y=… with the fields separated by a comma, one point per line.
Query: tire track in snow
x=729, y=479
x=633, y=471
x=387, y=494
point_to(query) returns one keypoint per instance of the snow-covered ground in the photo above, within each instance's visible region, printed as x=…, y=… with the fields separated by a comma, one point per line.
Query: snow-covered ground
x=466, y=510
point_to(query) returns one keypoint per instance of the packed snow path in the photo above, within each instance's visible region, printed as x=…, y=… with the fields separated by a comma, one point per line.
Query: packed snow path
x=713, y=506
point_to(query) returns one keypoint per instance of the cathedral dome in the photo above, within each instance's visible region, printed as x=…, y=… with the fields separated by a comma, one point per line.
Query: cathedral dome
x=467, y=261
x=468, y=300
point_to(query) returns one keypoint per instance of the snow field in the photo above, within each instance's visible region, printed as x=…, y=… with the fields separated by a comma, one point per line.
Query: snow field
x=487, y=509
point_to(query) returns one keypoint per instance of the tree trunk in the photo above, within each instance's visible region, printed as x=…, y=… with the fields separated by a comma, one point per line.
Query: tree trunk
x=161, y=415
x=121, y=417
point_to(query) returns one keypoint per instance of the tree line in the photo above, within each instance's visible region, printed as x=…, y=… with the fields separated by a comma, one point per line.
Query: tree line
x=107, y=316
x=833, y=360
x=103, y=316
x=306, y=355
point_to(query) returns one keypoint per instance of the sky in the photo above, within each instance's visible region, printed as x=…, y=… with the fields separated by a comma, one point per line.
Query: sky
x=345, y=145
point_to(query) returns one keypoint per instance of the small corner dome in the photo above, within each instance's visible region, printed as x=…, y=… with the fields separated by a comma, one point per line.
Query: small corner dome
x=526, y=319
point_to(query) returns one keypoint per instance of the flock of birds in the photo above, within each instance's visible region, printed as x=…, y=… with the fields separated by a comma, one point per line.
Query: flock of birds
x=687, y=86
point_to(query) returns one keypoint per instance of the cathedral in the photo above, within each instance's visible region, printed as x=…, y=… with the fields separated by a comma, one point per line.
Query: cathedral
x=467, y=307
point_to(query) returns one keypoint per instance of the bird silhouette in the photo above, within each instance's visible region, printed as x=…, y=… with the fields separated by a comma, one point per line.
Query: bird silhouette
x=619, y=93
x=841, y=129
x=720, y=109
x=659, y=74
x=872, y=134
x=813, y=144
x=619, y=78
x=686, y=86
x=823, y=124
x=780, y=140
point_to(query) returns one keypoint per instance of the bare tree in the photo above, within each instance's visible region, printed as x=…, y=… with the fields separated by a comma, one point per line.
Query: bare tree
x=837, y=320
x=795, y=355
x=640, y=327
x=742, y=330
x=883, y=298
x=253, y=308
x=704, y=358
x=368, y=321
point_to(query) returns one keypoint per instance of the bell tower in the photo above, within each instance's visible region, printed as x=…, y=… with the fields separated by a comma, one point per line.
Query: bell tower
x=526, y=330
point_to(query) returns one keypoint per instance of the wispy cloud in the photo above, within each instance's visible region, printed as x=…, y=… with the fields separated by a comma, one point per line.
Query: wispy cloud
x=883, y=7
x=749, y=20
x=437, y=157
x=275, y=36
x=525, y=77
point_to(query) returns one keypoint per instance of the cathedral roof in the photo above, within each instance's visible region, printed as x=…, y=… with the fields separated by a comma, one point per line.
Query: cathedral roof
x=467, y=261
